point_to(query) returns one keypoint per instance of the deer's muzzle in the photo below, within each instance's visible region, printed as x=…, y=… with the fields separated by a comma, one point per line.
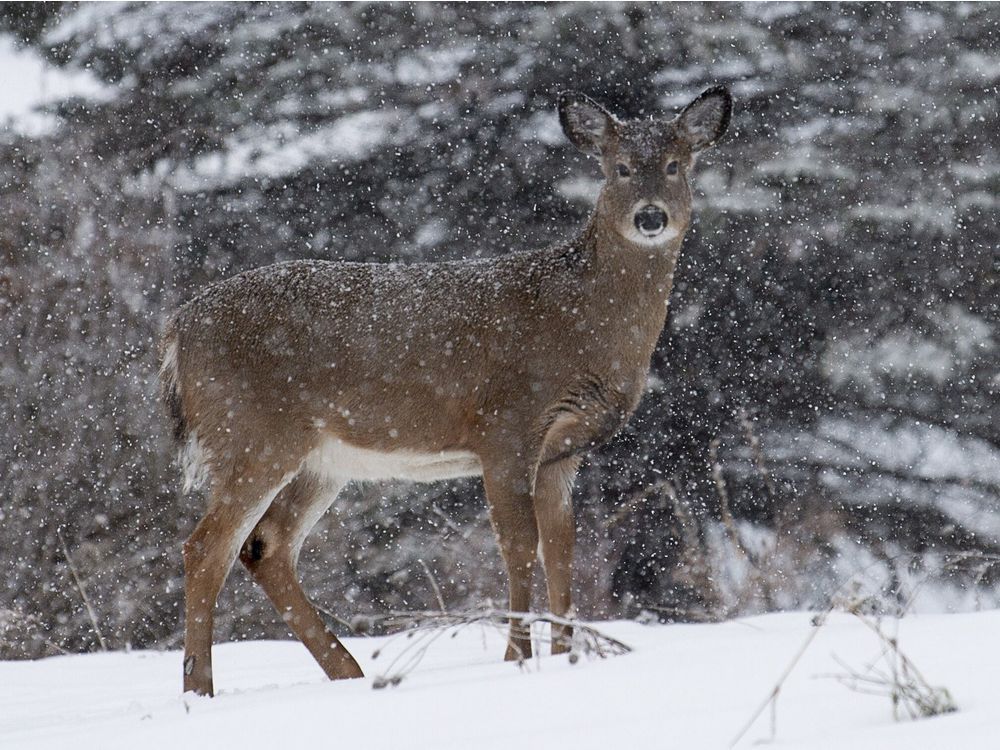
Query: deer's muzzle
x=650, y=220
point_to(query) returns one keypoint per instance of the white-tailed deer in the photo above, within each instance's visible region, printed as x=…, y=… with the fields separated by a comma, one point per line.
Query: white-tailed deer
x=288, y=381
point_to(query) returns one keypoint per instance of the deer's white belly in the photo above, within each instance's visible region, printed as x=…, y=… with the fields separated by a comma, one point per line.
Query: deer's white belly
x=337, y=458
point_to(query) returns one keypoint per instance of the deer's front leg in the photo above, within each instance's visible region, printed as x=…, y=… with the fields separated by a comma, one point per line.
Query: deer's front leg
x=557, y=531
x=508, y=493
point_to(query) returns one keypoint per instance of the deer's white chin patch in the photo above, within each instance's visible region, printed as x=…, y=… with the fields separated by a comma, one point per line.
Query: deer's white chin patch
x=668, y=234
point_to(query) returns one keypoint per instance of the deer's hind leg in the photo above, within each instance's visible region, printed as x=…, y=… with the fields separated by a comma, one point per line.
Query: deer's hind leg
x=209, y=554
x=271, y=553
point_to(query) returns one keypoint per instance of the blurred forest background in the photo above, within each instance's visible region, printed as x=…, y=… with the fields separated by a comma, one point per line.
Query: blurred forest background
x=820, y=417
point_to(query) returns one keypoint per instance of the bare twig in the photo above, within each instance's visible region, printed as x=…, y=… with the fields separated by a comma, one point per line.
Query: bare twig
x=902, y=682
x=772, y=697
x=434, y=585
x=634, y=502
x=463, y=533
x=422, y=629
x=724, y=508
x=982, y=562
x=686, y=613
x=83, y=591
x=685, y=522
x=359, y=625
x=12, y=621
x=757, y=452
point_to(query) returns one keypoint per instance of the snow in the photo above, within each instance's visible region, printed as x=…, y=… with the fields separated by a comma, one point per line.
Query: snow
x=982, y=68
x=925, y=451
x=919, y=213
x=579, y=189
x=31, y=83
x=909, y=353
x=804, y=162
x=543, y=127
x=428, y=67
x=690, y=686
x=103, y=25
x=283, y=150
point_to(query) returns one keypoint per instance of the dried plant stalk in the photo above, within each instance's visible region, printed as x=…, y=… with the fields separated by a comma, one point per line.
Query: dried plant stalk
x=422, y=629
x=894, y=675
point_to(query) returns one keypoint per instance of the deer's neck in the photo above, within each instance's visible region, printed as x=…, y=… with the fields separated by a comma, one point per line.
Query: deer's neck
x=634, y=279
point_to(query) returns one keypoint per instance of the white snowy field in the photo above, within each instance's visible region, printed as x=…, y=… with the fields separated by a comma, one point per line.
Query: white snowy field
x=684, y=686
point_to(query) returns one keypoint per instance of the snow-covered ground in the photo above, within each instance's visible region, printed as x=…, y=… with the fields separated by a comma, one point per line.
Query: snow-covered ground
x=684, y=686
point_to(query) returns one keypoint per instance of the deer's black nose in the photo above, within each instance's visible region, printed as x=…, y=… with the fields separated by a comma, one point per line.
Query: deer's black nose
x=650, y=220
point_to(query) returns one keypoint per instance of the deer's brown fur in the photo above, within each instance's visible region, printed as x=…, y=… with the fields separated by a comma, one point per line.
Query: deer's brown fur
x=288, y=381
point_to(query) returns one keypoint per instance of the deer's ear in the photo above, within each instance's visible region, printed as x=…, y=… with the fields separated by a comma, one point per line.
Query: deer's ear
x=585, y=122
x=704, y=121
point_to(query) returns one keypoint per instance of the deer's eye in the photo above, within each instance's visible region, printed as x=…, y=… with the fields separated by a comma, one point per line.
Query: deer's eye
x=672, y=167
x=623, y=170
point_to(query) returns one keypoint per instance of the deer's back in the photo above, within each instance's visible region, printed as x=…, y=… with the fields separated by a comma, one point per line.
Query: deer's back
x=406, y=356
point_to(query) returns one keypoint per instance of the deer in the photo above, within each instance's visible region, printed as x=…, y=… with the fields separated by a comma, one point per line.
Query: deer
x=286, y=382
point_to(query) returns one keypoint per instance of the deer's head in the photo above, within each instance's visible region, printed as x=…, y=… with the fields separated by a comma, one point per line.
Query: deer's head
x=647, y=163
